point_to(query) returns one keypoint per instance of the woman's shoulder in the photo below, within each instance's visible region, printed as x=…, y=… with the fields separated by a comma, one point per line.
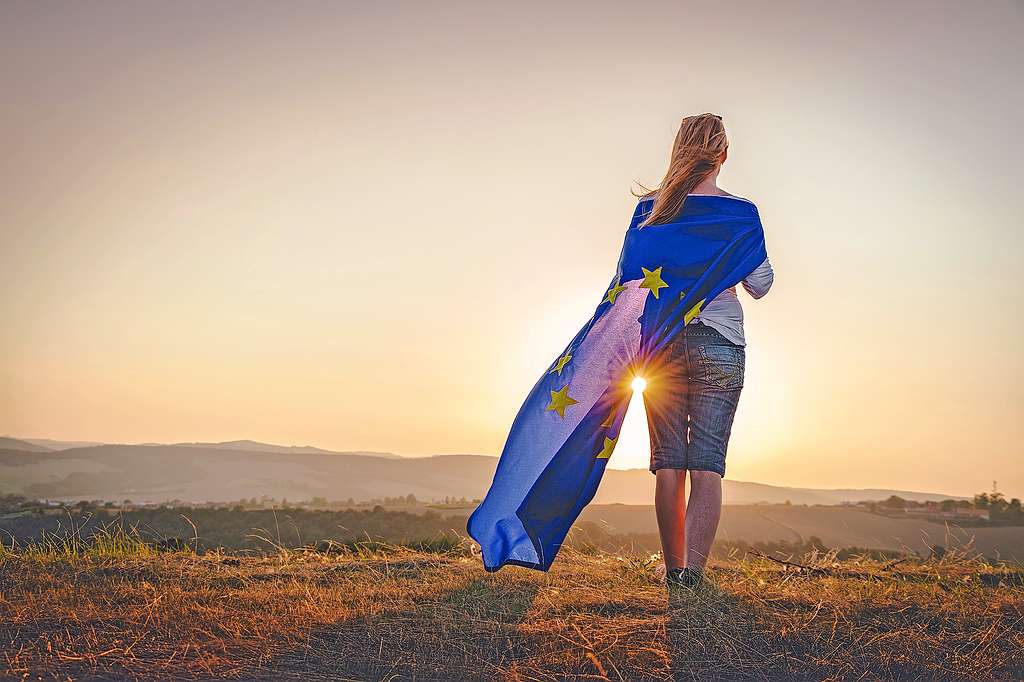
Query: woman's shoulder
x=651, y=196
x=733, y=204
x=723, y=195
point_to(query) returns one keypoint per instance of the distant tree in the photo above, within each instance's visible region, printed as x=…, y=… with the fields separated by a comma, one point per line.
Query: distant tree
x=981, y=501
x=895, y=502
x=1003, y=513
x=947, y=505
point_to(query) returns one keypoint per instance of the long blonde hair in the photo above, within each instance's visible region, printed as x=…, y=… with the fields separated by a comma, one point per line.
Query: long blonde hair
x=698, y=148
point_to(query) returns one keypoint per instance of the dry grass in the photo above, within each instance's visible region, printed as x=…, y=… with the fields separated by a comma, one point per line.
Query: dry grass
x=401, y=614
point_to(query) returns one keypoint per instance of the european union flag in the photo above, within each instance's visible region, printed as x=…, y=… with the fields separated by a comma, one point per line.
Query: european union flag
x=566, y=430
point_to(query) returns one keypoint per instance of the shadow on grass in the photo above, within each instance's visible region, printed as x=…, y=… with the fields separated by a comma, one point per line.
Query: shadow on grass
x=831, y=632
x=714, y=635
x=469, y=632
x=717, y=635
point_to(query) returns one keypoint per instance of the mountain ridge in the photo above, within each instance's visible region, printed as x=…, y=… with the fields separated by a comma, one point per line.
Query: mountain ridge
x=199, y=473
x=25, y=445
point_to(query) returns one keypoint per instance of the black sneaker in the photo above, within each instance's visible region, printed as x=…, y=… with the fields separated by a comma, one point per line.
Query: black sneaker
x=690, y=578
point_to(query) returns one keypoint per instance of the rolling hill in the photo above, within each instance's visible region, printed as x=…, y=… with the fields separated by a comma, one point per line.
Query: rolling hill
x=50, y=444
x=256, y=446
x=7, y=443
x=232, y=471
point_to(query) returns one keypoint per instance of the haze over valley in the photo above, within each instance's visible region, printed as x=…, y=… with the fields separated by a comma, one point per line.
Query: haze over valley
x=223, y=472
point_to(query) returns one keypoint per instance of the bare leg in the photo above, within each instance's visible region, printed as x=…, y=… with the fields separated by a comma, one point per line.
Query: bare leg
x=702, y=521
x=670, y=508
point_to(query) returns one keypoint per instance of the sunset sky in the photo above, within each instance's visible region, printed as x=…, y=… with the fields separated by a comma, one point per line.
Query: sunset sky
x=372, y=226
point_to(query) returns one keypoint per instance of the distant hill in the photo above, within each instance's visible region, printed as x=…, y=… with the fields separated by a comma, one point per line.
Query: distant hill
x=47, y=444
x=61, y=444
x=256, y=446
x=23, y=445
x=229, y=471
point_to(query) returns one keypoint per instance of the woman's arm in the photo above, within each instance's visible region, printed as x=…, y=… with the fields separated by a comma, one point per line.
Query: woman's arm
x=760, y=280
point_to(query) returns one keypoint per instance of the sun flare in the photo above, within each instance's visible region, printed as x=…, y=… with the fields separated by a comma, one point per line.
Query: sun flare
x=639, y=384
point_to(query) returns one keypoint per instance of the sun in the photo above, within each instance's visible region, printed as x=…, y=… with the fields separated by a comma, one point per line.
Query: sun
x=633, y=450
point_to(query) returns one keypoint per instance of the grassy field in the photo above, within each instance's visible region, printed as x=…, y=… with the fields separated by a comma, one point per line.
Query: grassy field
x=624, y=526
x=120, y=610
x=836, y=526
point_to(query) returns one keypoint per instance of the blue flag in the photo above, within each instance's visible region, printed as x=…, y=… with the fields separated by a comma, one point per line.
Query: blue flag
x=566, y=430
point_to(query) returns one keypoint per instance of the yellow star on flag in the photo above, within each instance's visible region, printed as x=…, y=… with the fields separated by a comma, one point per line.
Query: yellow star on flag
x=694, y=311
x=613, y=293
x=561, y=362
x=560, y=400
x=653, y=281
x=609, y=445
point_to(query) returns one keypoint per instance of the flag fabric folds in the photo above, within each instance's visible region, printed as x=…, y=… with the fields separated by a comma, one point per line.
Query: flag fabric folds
x=567, y=428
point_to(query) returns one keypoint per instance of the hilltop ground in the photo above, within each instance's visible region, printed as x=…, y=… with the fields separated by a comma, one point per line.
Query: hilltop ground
x=621, y=526
x=400, y=614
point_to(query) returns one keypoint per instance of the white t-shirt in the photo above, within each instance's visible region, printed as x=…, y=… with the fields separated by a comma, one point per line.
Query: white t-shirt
x=725, y=314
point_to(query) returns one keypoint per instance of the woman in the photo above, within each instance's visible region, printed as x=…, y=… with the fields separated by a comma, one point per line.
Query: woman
x=675, y=259
x=694, y=386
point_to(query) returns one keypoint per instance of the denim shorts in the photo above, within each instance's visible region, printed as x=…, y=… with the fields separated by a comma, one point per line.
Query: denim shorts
x=693, y=388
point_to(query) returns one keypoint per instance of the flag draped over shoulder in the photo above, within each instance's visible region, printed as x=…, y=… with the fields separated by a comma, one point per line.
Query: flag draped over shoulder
x=566, y=430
